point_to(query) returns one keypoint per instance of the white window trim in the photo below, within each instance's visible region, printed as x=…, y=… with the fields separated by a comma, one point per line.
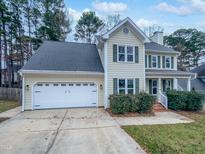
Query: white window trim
x=156, y=61
x=169, y=62
x=118, y=46
x=126, y=85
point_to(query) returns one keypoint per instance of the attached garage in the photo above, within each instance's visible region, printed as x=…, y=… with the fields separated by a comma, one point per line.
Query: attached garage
x=62, y=95
x=63, y=75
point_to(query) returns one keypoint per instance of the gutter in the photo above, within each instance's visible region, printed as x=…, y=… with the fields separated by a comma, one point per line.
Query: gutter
x=60, y=72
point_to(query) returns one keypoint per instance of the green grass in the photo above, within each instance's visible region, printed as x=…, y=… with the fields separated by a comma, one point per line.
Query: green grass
x=7, y=105
x=172, y=139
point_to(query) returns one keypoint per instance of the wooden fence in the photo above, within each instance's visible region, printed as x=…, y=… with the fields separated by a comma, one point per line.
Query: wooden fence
x=10, y=93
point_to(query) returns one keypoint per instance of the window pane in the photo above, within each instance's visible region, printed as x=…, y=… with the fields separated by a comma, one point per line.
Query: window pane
x=129, y=50
x=130, y=58
x=154, y=83
x=122, y=91
x=154, y=91
x=130, y=83
x=154, y=61
x=121, y=49
x=167, y=62
x=130, y=91
x=121, y=57
x=121, y=83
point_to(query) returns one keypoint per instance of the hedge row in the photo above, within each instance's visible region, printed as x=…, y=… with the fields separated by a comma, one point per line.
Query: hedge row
x=183, y=100
x=141, y=103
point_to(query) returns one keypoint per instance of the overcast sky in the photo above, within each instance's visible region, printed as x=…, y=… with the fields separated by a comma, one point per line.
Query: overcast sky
x=169, y=14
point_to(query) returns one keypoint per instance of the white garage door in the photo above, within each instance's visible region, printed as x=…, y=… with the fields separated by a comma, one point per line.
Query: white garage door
x=62, y=95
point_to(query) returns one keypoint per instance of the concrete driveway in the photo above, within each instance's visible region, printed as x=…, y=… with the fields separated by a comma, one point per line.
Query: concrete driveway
x=65, y=131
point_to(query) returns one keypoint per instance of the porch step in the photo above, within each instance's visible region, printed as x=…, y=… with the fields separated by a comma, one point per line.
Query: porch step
x=158, y=107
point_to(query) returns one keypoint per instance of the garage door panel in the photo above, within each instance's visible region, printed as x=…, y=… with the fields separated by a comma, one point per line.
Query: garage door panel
x=60, y=95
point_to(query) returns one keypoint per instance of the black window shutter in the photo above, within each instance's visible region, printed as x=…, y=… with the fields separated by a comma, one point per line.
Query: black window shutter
x=163, y=61
x=115, y=86
x=114, y=52
x=150, y=86
x=150, y=61
x=136, y=86
x=145, y=61
x=159, y=61
x=172, y=62
x=136, y=54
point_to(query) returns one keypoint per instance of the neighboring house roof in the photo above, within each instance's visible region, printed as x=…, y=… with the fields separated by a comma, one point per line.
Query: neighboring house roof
x=200, y=70
x=196, y=84
x=135, y=27
x=153, y=72
x=155, y=47
x=65, y=56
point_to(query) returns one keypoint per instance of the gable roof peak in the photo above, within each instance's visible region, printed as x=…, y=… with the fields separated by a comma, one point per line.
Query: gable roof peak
x=135, y=27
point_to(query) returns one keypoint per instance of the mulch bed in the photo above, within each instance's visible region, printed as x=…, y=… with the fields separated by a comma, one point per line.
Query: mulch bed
x=130, y=114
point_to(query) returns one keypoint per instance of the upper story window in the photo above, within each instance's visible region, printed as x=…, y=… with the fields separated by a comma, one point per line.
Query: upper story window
x=121, y=53
x=154, y=61
x=168, y=62
x=126, y=53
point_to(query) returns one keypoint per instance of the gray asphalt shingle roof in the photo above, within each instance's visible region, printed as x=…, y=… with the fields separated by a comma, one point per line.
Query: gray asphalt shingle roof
x=65, y=56
x=152, y=46
x=196, y=84
x=168, y=72
x=200, y=70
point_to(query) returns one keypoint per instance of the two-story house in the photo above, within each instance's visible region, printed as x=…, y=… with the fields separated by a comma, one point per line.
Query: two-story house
x=123, y=61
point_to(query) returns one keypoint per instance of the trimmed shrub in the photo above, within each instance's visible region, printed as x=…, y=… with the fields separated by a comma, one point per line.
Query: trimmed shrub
x=183, y=100
x=120, y=104
x=176, y=100
x=146, y=102
x=135, y=104
x=194, y=101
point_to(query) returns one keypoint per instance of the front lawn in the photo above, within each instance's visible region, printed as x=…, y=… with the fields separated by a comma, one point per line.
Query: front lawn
x=177, y=138
x=7, y=105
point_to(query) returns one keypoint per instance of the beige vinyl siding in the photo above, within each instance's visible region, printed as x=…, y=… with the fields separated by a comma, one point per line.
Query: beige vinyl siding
x=125, y=69
x=162, y=54
x=32, y=79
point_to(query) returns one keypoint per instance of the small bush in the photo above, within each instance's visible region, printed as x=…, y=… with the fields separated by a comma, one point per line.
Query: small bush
x=120, y=104
x=176, y=100
x=194, y=101
x=146, y=102
x=182, y=100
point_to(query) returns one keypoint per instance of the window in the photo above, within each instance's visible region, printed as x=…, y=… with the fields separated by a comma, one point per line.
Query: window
x=78, y=84
x=167, y=62
x=130, y=54
x=121, y=53
x=154, y=61
x=63, y=84
x=167, y=85
x=70, y=84
x=130, y=86
x=85, y=84
x=126, y=54
x=126, y=86
x=154, y=87
x=121, y=86
x=55, y=84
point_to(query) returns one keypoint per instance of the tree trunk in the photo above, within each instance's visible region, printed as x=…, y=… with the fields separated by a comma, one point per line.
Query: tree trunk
x=5, y=53
x=0, y=59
